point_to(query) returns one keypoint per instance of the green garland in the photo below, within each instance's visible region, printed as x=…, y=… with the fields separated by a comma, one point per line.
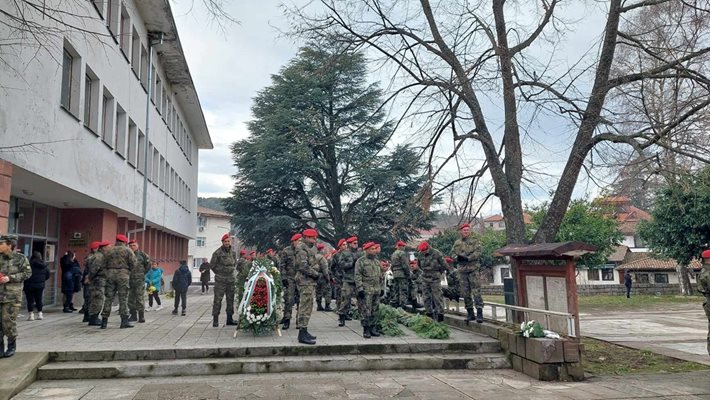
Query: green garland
x=388, y=319
x=266, y=327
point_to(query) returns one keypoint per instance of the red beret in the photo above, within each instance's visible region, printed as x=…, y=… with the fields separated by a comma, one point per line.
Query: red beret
x=243, y=252
x=368, y=245
x=352, y=239
x=94, y=245
x=253, y=252
x=310, y=233
x=225, y=237
x=269, y=250
x=320, y=246
x=449, y=260
x=132, y=241
x=464, y=226
x=706, y=254
x=423, y=246
x=104, y=243
x=400, y=243
x=296, y=237
x=122, y=238
x=341, y=242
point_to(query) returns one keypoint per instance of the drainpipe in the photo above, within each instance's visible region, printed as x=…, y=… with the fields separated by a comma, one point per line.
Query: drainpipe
x=153, y=38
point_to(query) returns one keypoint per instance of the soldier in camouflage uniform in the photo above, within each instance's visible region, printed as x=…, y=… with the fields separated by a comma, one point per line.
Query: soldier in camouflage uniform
x=15, y=268
x=467, y=253
x=307, y=273
x=93, y=249
x=120, y=262
x=368, y=278
x=224, y=263
x=271, y=255
x=97, y=282
x=243, y=267
x=401, y=275
x=704, y=288
x=335, y=272
x=288, y=278
x=432, y=264
x=415, y=286
x=346, y=266
x=136, y=295
x=323, y=290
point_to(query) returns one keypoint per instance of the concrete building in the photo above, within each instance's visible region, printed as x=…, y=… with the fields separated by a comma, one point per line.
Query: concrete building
x=211, y=225
x=104, y=106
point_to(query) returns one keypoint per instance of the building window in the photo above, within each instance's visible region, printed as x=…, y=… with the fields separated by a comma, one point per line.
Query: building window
x=641, y=278
x=592, y=274
x=607, y=274
x=504, y=273
x=156, y=167
x=125, y=33
x=201, y=241
x=156, y=92
x=121, y=121
x=141, y=152
x=132, y=143
x=201, y=221
x=112, y=14
x=135, y=52
x=660, y=278
x=164, y=101
x=107, y=113
x=91, y=100
x=99, y=6
x=163, y=174
x=71, y=80
x=144, y=67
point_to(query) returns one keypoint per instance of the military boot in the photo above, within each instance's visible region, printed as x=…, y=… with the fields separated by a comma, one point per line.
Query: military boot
x=479, y=315
x=341, y=320
x=94, y=320
x=141, y=317
x=373, y=331
x=104, y=323
x=309, y=335
x=125, y=322
x=86, y=316
x=366, y=332
x=215, y=321
x=2, y=347
x=470, y=316
x=327, y=306
x=230, y=321
x=320, y=306
x=303, y=337
x=11, y=345
x=286, y=324
x=133, y=317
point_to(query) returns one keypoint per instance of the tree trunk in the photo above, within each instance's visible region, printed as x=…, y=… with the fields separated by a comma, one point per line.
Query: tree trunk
x=683, y=280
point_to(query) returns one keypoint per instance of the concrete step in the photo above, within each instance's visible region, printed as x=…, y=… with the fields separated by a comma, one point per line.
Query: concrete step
x=270, y=364
x=481, y=345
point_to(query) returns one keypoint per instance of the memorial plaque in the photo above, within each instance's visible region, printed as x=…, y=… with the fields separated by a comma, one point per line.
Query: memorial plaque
x=535, y=289
x=557, y=294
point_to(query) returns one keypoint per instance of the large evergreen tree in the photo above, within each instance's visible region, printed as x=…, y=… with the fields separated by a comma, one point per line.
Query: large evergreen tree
x=317, y=157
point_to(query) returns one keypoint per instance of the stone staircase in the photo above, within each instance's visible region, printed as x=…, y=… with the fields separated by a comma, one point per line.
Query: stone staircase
x=482, y=353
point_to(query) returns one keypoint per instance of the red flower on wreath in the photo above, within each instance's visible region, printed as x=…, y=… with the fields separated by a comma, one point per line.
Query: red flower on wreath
x=260, y=296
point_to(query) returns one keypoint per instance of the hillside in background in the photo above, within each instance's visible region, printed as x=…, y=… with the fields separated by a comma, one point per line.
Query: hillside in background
x=214, y=203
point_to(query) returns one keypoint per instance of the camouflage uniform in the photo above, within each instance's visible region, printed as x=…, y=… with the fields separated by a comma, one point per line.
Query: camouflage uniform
x=17, y=268
x=243, y=267
x=307, y=274
x=336, y=279
x=432, y=265
x=401, y=275
x=323, y=290
x=136, y=296
x=120, y=262
x=368, y=276
x=97, y=281
x=467, y=252
x=346, y=267
x=223, y=263
x=288, y=277
x=415, y=285
x=704, y=288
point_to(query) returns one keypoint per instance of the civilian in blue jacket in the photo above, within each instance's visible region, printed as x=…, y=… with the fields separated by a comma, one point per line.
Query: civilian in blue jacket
x=182, y=279
x=154, y=279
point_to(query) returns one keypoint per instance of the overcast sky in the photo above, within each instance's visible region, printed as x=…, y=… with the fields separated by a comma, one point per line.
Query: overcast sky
x=230, y=66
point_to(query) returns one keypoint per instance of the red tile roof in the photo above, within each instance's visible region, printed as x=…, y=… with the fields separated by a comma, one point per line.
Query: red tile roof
x=649, y=263
x=619, y=254
x=212, y=213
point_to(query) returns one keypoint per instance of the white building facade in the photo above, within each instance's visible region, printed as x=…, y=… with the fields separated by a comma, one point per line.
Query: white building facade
x=211, y=226
x=102, y=108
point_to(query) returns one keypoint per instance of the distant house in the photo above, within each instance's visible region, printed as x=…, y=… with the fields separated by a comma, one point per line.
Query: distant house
x=497, y=222
x=628, y=217
x=646, y=269
x=210, y=226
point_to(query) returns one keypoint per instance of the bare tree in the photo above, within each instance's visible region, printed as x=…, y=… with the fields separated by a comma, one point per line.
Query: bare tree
x=470, y=54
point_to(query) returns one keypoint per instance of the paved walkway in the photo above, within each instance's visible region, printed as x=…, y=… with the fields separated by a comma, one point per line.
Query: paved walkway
x=162, y=330
x=679, y=331
x=421, y=384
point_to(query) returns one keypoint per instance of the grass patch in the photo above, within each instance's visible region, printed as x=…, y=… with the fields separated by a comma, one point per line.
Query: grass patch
x=603, y=358
x=621, y=303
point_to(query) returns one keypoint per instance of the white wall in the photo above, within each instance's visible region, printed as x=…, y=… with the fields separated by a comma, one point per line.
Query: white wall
x=75, y=157
x=213, y=231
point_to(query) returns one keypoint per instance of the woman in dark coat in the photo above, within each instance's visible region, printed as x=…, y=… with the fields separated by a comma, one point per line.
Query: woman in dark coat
x=34, y=286
x=71, y=280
